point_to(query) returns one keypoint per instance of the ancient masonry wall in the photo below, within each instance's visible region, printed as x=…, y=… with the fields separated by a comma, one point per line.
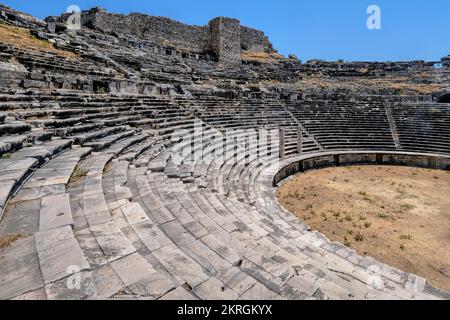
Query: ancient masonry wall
x=158, y=29
x=226, y=40
x=254, y=40
x=224, y=36
x=446, y=61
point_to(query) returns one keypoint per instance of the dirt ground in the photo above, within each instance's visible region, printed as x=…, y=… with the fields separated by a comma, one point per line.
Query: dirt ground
x=397, y=215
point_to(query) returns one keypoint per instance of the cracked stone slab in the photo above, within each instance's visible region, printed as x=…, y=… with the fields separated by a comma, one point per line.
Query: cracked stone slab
x=19, y=269
x=203, y=255
x=22, y=218
x=94, y=208
x=180, y=265
x=237, y=280
x=153, y=286
x=224, y=251
x=107, y=282
x=260, y=292
x=90, y=247
x=152, y=237
x=46, y=177
x=179, y=294
x=55, y=212
x=132, y=268
x=32, y=295
x=58, y=252
x=213, y=289
x=26, y=194
x=78, y=286
x=112, y=241
x=134, y=213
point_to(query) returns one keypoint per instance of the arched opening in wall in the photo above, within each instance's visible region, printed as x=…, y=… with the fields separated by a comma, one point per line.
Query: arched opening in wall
x=444, y=98
x=100, y=87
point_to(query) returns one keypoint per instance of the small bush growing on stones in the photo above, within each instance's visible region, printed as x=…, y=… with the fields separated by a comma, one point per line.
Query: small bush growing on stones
x=407, y=207
x=405, y=237
x=79, y=172
x=359, y=237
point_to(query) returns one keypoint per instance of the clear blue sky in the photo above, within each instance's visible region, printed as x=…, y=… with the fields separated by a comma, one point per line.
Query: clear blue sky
x=324, y=29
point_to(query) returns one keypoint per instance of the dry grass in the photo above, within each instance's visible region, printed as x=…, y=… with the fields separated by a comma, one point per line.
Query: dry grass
x=22, y=39
x=9, y=239
x=79, y=172
x=77, y=175
x=263, y=57
x=398, y=215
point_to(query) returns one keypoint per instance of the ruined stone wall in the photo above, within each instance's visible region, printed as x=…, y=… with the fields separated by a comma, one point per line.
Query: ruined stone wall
x=226, y=40
x=157, y=29
x=19, y=19
x=446, y=61
x=223, y=36
x=254, y=40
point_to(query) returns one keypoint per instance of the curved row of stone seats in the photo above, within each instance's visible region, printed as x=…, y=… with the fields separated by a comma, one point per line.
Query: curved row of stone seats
x=152, y=66
x=43, y=214
x=266, y=199
x=87, y=119
x=122, y=266
x=341, y=125
x=40, y=216
x=369, y=97
x=17, y=166
x=200, y=291
x=216, y=237
x=160, y=184
x=242, y=114
x=51, y=63
x=423, y=127
x=176, y=217
x=267, y=203
x=308, y=142
x=167, y=64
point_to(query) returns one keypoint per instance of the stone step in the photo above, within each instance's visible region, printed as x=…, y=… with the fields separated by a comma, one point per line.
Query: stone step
x=95, y=209
x=13, y=128
x=105, y=142
x=43, y=151
x=140, y=278
x=9, y=144
x=55, y=212
x=59, y=253
x=19, y=269
x=180, y=265
x=65, y=132
x=89, y=136
x=121, y=146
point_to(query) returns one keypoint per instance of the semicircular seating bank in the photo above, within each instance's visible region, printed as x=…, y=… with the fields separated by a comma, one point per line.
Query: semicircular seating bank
x=123, y=175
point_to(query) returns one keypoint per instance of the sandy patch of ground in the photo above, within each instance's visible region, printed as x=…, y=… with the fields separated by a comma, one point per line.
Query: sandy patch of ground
x=398, y=215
